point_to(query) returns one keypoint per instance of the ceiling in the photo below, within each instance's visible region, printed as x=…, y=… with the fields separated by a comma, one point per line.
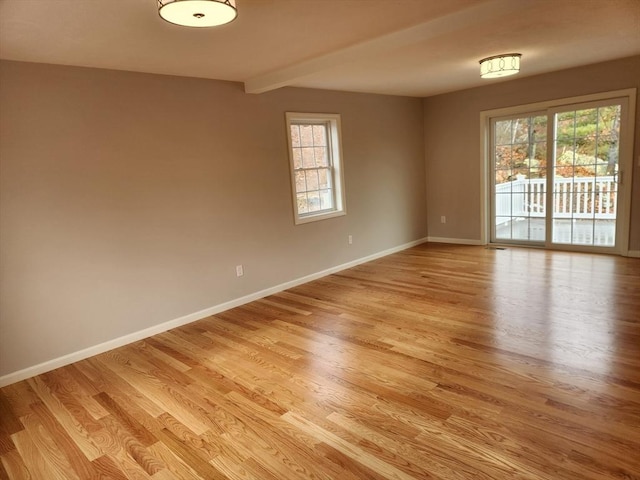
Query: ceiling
x=398, y=47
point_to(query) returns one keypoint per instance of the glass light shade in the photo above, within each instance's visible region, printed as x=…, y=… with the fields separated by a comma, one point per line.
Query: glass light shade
x=198, y=13
x=500, y=65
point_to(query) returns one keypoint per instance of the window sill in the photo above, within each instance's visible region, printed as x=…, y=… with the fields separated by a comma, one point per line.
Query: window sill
x=319, y=216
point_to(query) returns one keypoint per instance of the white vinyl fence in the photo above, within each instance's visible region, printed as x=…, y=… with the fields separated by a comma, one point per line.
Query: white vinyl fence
x=573, y=197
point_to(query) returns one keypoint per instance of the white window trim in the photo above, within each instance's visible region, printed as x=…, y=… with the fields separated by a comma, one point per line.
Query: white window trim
x=336, y=161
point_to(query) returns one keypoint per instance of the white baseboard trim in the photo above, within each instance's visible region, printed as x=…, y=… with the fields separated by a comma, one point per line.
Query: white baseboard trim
x=192, y=317
x=457, y=241
x=634, y=253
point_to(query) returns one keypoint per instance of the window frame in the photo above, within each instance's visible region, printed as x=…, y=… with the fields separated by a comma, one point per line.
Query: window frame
x=332, y=121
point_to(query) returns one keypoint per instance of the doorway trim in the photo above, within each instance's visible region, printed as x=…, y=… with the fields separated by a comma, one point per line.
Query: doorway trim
x=626, y=156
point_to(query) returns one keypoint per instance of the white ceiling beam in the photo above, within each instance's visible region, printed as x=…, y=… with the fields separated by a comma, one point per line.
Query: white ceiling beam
x=452, y=22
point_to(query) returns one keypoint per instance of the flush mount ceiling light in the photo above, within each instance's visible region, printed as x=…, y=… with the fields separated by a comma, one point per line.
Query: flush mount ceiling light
x=198, y=13
x=500, y=65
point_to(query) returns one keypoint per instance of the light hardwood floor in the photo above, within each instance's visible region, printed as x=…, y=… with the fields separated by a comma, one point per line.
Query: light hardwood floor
x=442, y=361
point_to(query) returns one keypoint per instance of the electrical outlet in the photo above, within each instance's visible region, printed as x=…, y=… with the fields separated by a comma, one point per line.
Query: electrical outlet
x=443, y=219
x=350, y=240
x=239, y=270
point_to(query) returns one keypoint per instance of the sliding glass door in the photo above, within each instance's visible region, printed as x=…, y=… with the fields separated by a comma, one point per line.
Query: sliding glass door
x=555, y=176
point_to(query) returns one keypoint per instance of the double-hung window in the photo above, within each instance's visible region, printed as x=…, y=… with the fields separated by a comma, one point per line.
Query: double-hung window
x=317, y=180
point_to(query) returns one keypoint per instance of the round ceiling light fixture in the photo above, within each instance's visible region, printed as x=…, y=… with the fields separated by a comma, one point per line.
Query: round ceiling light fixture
x=500, y=65
x=198, y=13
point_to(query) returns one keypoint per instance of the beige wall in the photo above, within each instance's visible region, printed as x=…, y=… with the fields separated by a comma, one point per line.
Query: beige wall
x=127, y=199
x=452, y=139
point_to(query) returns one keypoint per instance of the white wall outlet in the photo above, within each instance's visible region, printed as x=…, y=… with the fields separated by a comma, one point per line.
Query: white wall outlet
x=239, y=270
x=443, y=219
x=350, y=239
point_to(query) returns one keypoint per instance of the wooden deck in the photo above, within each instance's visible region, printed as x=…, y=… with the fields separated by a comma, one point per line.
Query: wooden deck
x=445, y=362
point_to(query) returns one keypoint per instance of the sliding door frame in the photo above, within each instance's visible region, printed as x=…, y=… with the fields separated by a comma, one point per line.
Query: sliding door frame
x=625, y=159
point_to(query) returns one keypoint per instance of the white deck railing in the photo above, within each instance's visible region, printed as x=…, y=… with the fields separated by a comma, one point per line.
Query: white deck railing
x=574, y=197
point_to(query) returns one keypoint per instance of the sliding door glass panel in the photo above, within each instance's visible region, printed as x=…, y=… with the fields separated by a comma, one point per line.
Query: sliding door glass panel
x=519, y=163
x=585, y=184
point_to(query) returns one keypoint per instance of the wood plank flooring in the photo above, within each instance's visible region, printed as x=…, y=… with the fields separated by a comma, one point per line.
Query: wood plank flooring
x=439, y=362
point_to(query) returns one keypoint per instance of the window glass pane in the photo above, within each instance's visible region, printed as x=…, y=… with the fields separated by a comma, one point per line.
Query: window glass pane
x=519, y=229
x=605, y=200
x=503, y=204
x=565, y=155
x=319, y=135
x=565, y=123
x=300, y=183
x=326, y=199
x=609, y=118
x=324, y=178
x=538, y=160
x=503, y=132
x=322, y=159
x=582, y=232
x=540, y=128
x=314, y=201
x=297, y=158
x=585, y=118
x=562, y=203
x=303, y=204
x=295, y=135
x=306, y=135
x=562, y=230
x=308, y=159
x=312, y=179
x=607, y=147
x=520, y=130
x=609, y=186
x=519, y=152
x=503, y=176
x=503, y=228
x=502, y=156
